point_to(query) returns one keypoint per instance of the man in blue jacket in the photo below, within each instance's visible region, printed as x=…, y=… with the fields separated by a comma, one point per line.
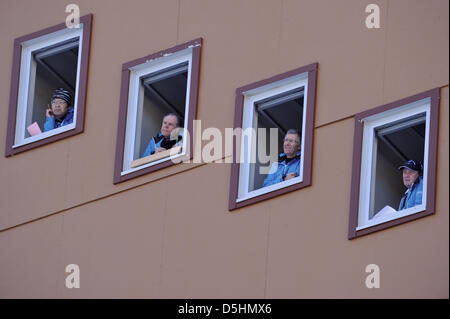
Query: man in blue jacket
x=61, y=111
x=413, y=181
x=288, y=165
x=163, y=141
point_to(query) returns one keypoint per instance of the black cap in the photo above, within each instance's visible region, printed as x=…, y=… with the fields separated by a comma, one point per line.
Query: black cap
x=62, y=94
x=414, y=165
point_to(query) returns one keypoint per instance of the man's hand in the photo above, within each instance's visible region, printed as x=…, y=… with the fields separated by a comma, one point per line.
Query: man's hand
x=49, y=113
x=160, y=149
x=290, y=175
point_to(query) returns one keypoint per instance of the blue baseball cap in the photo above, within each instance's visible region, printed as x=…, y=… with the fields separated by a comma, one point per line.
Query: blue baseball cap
x=413, y=165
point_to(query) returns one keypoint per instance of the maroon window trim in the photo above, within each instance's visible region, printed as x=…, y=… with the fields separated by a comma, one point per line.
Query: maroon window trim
x=123, y=105
x=356, y=166
x=15, y=77
x=308, y=131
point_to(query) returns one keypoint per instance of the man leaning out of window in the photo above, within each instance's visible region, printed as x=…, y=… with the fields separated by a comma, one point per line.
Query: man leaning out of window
x=163, y=140
x=288, y=165
x=60, y=112
x=413, y=181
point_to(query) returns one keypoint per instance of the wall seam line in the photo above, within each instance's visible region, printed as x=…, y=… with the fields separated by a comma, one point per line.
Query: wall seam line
x=96, y=199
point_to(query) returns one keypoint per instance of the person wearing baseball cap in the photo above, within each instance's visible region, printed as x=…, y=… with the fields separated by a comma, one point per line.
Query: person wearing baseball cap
x=412, y=179
x=60, y=112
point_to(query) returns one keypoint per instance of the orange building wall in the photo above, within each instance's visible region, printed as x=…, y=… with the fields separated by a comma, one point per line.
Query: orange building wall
x=169, y=234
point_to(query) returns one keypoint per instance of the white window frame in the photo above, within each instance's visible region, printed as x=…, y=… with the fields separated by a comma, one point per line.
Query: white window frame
x=27, y=77
x=251, y=98
x=368, y=157
x=136, y=73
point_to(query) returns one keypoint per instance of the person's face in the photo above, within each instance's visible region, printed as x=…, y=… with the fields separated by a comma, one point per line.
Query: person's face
x=409, y=177
x=168, y=124
x=291, y=145
x=59, y=107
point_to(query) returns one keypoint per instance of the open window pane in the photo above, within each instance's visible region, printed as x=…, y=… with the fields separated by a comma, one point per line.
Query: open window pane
x=52, y=67
x=269, y=113
x=282, y=112
x=396, y=143
x=401, y=134
x=158, y=103
x=52, y=62
x=390, y=139
x=161, y=93
x=276, y=117
x=158, y=92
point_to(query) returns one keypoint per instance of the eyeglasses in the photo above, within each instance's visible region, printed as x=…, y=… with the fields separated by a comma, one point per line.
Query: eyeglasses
x=58, y=102
x=291, y=140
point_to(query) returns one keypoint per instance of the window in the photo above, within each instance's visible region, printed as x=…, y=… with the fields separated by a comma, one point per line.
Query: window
x=156, y=89
x=385, y=138
x=276, y=116
x=44, y=61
